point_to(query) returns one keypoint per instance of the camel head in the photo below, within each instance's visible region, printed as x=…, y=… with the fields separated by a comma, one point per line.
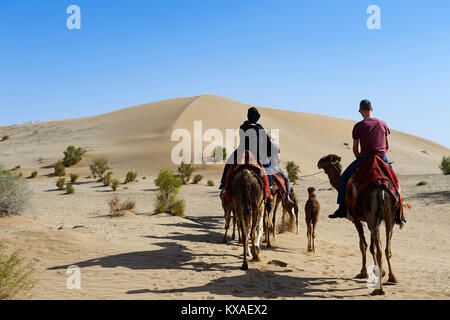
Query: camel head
x=329, y=160
x=311, y=190
x=331, y=164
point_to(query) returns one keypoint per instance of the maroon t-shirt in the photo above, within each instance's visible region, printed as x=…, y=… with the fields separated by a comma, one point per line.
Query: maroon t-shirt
x=371, y=133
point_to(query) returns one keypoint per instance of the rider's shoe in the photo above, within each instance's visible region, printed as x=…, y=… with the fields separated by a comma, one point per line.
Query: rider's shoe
x=339, y=213
x=290, y=201
x=272, y=191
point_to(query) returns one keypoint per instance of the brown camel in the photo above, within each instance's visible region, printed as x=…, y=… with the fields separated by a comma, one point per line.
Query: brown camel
x=248, y=204
x=228, y=211
x=270, y=216
x=312, y=211
x=378, y=205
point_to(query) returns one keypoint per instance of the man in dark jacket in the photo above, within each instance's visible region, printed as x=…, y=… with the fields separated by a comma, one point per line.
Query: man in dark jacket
x=254, y=138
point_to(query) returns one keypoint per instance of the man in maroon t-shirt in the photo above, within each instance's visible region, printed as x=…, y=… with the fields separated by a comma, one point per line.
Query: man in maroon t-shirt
x=372, y=134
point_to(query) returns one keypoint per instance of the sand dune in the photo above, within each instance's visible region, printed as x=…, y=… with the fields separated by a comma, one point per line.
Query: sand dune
x=147, y=256
x=139, y=137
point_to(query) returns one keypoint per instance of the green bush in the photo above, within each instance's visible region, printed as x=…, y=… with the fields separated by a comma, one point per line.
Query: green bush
x=185, y=170
x=114, y=184
x=15, y=277
x=14, y=193
x=107, y=179
x=292, y=171
x=217, y=152
x=131, y=176
x=69, y=188
x=34, y=174
x=210, y=183
x=60, y=169
x=197, y=178
x=73, y=178
x=60, y=183
x=166, y=197
x=4, y=138
x=73, y=155
x=445, y=165
x=98, y=167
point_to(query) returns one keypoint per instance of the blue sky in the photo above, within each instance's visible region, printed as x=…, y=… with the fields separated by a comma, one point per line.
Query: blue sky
x=308, y=56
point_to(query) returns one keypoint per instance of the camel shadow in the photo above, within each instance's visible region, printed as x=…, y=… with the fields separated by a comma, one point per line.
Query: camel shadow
x=205, y=225
x=266, y=284
x=439, y=197
x=170, y=256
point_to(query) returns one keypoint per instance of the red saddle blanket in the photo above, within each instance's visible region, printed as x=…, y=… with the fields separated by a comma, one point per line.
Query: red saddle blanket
x=373, y=170
x=247, y=160
x=278, y=179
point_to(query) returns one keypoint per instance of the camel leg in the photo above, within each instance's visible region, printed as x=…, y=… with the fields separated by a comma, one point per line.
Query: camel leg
x=377, y=242
x=314, y=236
x=259, y=231
x=274, y=218
x=389, y=232
x=227, y=225
x=245, y=244
x=254, y=250
x=308, y=235
x=233, y=236
x=363, y=247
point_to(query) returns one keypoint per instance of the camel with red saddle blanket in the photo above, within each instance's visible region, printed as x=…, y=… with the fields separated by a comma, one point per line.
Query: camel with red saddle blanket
x=270, y=216
x=373, y=203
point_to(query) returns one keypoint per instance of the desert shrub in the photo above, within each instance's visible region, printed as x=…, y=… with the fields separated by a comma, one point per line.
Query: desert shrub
x=60, y=169
x=69, y=188
x=16, y=167
x=210, y=183
x=98, y=167
x=166, y=197
x=60, y=183
x=197, y=178
x=107, y=179
x=131, y=176
x=14, y=193
x=34, y=174
x=114, y=184
x=219, y=153
x=73, y=177
x=292, y=171
x=15, y=276
x=118, y=209
x=73, y=155
x=5, y=137
x=445, y=165
x=185, y=170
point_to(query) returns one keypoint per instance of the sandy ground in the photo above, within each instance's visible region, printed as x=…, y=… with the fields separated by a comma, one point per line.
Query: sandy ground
x=147, y=256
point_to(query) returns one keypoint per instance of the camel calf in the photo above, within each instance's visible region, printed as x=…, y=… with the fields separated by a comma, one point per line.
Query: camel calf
x=312, y=210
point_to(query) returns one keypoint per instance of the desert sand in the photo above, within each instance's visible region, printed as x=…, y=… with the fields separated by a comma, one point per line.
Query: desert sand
x=148, y=256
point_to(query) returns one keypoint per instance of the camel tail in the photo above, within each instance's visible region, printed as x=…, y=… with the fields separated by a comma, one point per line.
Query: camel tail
x=247, y=197
x=380, y=212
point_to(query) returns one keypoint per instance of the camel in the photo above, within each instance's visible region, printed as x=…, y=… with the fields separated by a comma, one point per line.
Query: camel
x=378, y=205
x=270, y=216
x=248, y=202
x=312, y=211
x=228, y=210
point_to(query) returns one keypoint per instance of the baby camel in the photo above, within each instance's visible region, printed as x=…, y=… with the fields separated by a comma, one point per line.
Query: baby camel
x=312, y=210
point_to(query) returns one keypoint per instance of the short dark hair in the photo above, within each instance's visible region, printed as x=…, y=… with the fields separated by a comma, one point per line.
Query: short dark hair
x=365, y=105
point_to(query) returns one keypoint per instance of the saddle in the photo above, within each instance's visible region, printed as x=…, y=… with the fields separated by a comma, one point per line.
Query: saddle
x=279, y=184
x=247, y=161
x=372, y=171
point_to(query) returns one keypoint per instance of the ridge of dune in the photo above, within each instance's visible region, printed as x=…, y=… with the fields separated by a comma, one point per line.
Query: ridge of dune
x=139, y=137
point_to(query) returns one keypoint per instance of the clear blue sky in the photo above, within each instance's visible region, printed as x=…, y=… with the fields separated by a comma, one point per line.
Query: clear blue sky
x=309, y=56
